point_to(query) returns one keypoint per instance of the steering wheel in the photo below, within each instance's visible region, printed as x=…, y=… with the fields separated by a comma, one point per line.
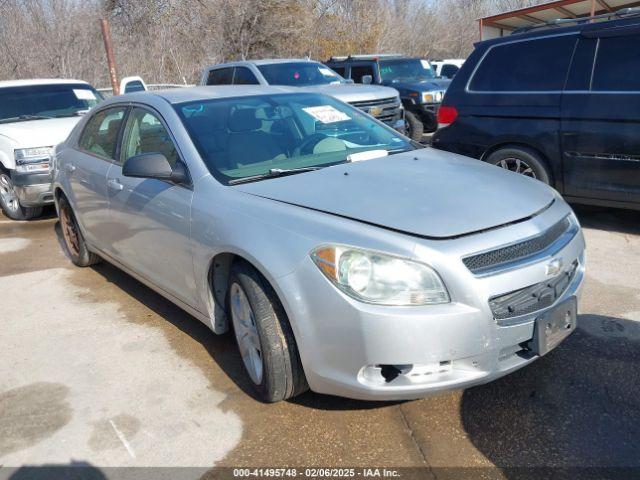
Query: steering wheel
x=309, y=143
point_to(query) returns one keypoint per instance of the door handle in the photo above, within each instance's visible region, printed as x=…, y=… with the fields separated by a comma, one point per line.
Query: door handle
x=70, y=167
x=115, y=184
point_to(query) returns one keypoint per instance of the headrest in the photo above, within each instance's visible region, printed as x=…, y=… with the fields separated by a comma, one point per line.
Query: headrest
x=244, y=120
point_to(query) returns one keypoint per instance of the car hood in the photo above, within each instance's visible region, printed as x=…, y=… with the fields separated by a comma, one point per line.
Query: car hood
x=354, y=93
x=424, y=86
x=425, y=192
x=39, y=133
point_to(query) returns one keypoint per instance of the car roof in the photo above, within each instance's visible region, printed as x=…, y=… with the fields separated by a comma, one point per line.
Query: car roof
x=194, y=94
x=39, y=81
x=264, y=61
x=548, y=31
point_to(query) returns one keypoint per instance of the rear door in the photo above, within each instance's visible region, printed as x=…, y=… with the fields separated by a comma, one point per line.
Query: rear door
x=150, y=218
x=601, y=119
x=87, y=170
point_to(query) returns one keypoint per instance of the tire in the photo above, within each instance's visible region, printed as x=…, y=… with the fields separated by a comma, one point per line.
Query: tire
x=415, y=128
x=10, y=203
x=264, y=336
x=521, y=160
x=74, y=243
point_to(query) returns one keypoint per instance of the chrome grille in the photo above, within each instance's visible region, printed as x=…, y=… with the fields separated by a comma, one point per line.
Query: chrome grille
x=373, y=103
x=388, y=109
x=531, y=299
x=483, y=262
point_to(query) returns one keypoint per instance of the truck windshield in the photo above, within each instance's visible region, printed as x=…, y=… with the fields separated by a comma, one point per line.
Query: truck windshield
x=406, y=69
x=299, y=73
x=34, y=102
x=252, y=138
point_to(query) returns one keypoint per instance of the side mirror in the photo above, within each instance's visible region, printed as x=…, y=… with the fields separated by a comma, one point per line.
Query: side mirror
x=154, y=165
x=367, y=79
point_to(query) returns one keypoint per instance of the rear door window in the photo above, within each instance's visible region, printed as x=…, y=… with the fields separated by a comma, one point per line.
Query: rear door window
x=100, y=135
x=538, y=65
x=449, y=70
x=220, y=76
x=618, y=64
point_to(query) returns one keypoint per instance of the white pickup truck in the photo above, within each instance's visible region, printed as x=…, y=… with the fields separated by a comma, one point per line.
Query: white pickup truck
x=35, y=115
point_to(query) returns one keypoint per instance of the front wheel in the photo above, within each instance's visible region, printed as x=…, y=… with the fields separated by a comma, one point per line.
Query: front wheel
x=521, y=160
x=265, y=340
x=415, y=128
x=10, y=203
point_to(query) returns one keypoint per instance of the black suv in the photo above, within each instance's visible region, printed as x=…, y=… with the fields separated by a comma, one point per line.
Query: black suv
x=558, y=104
x=420, y=91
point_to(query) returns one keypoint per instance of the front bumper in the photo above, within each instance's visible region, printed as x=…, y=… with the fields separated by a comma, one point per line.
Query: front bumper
x=33, y=189
x=346, y=345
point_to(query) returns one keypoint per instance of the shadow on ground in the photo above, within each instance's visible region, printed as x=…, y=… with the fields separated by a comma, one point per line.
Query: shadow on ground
x=578, y=406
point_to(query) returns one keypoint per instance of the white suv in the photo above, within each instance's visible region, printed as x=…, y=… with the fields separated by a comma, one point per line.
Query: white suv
x=35, y=115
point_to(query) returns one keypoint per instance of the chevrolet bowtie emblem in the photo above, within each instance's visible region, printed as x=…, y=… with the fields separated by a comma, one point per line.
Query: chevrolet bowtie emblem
x=554, y=267
x=375, y=111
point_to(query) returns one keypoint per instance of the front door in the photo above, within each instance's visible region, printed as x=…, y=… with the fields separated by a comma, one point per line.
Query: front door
x=151, y=218
x=601, y=125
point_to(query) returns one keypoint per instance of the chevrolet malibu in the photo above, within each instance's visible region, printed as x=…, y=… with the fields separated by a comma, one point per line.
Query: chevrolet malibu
x=345, y=258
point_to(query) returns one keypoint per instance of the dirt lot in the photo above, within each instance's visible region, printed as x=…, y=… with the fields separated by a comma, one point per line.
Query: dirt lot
x=97, y=368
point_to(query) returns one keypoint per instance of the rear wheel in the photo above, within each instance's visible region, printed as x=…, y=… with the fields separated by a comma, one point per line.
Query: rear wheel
x=415, y=128
x=10, y=203
x=264, y=337
x=74, y=242
x=521, y=160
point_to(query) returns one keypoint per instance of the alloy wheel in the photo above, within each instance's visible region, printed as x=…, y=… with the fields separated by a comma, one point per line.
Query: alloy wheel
x=69, y=230
x=8, y=194
x=517, y=165
x=246, y=332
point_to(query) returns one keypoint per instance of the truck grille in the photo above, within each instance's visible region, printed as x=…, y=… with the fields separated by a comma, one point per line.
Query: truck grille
x=531, y=299
x=501, y=257
x=386, y=109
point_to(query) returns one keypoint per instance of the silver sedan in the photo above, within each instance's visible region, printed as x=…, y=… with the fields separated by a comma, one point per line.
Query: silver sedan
x=344, y=257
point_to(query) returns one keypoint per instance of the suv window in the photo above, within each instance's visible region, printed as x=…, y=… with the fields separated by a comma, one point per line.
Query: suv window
x=530, y=66
x=339, y=70
x=244, y=76
x=145, y=133
x=617, y=64
x=357, y=72
x=100, y=135
x=220, y=76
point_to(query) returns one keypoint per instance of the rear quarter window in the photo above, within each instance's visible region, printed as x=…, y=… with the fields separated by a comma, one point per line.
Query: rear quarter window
x=536, y=65
x=618, y=64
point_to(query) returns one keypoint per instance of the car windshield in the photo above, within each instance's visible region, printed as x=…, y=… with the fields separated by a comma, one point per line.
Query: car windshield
x=252, y=137
x=296, y=74
x=406, y=69
x=34, y=102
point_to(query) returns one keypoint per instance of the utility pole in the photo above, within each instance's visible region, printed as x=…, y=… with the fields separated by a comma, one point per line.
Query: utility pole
x=108, y=46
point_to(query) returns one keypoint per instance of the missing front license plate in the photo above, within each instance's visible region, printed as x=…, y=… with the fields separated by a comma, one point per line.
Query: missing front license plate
x=554, y=326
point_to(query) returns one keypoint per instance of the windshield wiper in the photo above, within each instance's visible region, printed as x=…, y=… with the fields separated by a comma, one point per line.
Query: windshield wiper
x=25, y=117
x=273, y=173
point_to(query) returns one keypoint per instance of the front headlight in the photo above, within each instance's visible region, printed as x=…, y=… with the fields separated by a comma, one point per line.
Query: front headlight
x=432, y=97
x=33, y=160
x=378, y=278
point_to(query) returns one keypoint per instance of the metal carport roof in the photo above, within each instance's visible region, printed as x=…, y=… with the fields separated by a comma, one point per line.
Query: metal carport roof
x=504, y=23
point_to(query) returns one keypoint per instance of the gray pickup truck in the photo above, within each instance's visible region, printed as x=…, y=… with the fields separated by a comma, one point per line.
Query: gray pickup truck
x=383, y=103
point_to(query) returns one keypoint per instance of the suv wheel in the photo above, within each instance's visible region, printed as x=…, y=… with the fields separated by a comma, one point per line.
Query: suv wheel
x=265, y=340
x=10, y=203
x=415, y=128
x=74, y=242
x=522, y=161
